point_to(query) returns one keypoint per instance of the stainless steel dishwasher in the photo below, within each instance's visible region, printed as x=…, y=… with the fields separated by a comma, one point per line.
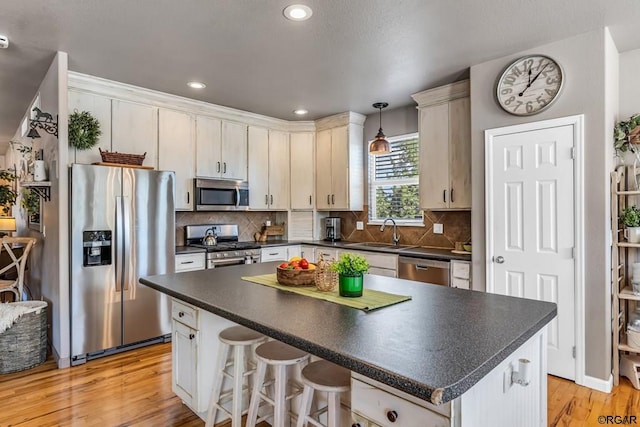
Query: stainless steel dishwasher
x=431, y=271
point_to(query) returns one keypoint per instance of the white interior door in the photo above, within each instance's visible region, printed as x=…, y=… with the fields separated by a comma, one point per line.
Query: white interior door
x=530, y=228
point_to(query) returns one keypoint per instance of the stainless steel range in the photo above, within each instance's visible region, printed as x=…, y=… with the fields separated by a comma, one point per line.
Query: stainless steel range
x=228, y=250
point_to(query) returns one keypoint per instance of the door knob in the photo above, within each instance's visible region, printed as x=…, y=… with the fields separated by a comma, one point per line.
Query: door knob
x=499, y=259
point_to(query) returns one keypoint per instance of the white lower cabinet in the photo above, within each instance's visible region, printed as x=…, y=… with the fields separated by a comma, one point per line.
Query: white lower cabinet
x=194, y=350
x=379, y=264
x=460, y=274
x=308, y=253
x=294, y=250
x=274, y=253
x=190, y=262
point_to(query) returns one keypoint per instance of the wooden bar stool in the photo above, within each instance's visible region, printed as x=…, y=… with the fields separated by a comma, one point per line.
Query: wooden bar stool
x=233, y=341
x=329, y=378
x=278, y=355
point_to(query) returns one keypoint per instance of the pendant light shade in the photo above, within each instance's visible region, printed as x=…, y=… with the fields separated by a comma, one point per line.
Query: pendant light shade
x=380, y=145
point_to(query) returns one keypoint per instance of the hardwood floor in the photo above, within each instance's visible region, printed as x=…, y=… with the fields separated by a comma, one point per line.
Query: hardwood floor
x=571, y=405
x=134, y=389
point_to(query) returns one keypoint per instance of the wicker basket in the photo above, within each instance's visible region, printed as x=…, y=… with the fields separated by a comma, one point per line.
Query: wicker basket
x=122, y=158
x=325, y=279
x=295, y=277
x=24, y=344
x=633, y=339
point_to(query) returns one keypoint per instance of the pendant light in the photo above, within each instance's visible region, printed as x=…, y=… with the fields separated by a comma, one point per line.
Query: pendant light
x=380, y=145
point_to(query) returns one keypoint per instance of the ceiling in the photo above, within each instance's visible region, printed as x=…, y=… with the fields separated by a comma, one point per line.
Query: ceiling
x=350, y=54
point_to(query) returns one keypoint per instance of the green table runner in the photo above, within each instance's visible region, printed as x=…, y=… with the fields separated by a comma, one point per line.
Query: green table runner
x=370, y=299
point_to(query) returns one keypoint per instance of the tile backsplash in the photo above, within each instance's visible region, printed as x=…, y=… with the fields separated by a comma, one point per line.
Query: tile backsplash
x=457, y=228
x=248, y=222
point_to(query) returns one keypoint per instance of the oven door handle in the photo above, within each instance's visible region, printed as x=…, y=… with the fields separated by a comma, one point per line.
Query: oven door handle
x=227, y=261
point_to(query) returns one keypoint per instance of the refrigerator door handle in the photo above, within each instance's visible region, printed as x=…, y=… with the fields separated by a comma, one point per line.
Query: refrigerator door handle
x=126, y=241
x=119, y=249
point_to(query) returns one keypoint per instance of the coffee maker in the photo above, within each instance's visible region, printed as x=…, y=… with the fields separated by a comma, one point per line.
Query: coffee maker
x=332, y=229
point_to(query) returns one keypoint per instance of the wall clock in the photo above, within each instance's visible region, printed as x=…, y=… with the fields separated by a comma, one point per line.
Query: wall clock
x=529, y=85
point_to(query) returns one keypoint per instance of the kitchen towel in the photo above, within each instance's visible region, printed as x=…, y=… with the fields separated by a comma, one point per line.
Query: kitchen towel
x=369, y=301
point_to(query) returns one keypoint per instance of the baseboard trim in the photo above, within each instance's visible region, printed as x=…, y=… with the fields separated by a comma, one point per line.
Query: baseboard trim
x=62, y=363
x=598, y=384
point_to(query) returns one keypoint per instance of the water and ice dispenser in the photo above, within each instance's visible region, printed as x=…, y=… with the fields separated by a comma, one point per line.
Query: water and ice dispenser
x=96, y=247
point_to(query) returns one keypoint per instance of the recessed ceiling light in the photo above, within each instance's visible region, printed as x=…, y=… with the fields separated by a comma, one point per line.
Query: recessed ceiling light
x=300, y=111
x=196, y=85
x=298, y=12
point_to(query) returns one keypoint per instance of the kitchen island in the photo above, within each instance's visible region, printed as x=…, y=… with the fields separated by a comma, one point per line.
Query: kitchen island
x=447, y=348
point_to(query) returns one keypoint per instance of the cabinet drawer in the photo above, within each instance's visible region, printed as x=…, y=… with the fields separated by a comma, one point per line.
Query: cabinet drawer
x=376, y=405
x=184, y=313
x=380, y=260
x=382, y=272
x=460, y=269
x=190, y=262
x=278, y=253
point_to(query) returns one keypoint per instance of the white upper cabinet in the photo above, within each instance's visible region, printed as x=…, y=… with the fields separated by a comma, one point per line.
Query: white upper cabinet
x=134, y=130
x=339, y=163
x=268, y=163
x=176, y=152
x=302, y=170
x=208, y=147
x=445, y=147
x=234, y=151
x=100, y=108
x=221, y=149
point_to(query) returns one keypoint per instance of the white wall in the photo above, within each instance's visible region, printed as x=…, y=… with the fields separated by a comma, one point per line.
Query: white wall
x=49, y=269
x=583, y=58
x=629, y=84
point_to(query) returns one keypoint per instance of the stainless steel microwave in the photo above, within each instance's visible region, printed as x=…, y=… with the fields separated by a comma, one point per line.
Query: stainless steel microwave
x=221, y=195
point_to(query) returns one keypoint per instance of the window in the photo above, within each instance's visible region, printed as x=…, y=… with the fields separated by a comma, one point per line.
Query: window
x=393, y=182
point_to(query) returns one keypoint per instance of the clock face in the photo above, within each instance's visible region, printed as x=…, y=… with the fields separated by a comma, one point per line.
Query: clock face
x=529, y=85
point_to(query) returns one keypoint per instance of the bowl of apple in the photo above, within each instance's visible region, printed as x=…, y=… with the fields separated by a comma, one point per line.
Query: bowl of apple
x=296, y=272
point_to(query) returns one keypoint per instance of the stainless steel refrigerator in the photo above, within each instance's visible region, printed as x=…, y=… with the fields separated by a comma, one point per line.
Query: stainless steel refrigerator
x=122, y=227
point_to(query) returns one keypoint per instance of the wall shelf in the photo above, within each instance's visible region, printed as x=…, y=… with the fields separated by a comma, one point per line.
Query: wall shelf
x=41, y=188
x=623, y=254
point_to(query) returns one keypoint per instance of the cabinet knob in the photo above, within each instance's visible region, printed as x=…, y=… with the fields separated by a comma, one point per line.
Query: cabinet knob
x=333, y=199
x=218, y=167
x=266, y=199
x=271, y=198
x=181, y=314
x=444, y=196
x=192, y=336
x=225, y=167
x=392, y=416
x=452, y=195
x=309, y=199
x=328, y=199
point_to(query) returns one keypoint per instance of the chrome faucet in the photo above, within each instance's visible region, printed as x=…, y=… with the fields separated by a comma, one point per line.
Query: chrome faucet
x=396, y=238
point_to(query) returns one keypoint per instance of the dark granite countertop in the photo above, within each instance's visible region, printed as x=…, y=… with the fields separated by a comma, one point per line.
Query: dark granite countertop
x=435, y=347
x=188, y=250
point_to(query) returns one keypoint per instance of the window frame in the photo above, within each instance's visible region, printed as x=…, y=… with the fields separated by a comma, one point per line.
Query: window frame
x=402, y=181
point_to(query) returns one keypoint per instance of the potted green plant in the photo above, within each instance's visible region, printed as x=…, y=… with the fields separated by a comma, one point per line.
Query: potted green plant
x=630, y=218
x=30, y=202
x=7, y=191
x=626, y=135
x=350, y=268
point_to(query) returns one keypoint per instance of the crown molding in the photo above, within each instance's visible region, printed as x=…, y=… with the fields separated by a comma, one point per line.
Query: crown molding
x=442, y=94
x=341, y=119
x=126, y=92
